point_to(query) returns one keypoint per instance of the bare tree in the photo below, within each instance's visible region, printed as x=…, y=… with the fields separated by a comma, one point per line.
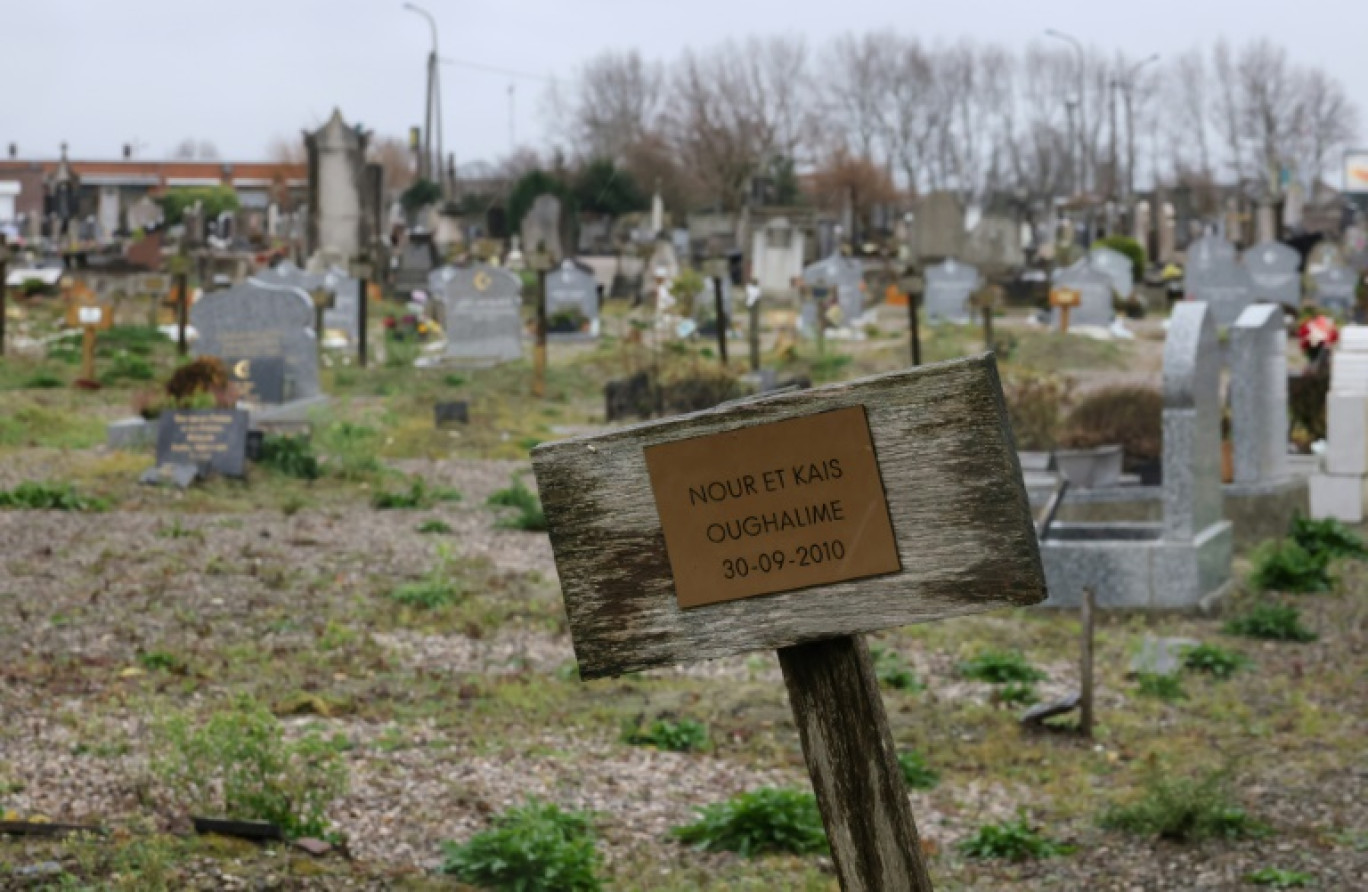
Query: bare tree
x=617, y=103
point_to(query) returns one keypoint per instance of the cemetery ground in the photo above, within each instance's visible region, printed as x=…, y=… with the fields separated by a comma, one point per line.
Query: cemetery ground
x=415, y=659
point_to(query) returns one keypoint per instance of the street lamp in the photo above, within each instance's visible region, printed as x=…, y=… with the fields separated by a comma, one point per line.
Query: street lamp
x=1128, y=88
x=433, y=111
x=1082, y=171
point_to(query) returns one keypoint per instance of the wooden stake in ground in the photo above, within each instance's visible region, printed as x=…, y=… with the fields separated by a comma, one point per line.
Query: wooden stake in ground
x=797, y=523
x=539, y=352
x=362, y=321
x=913, y=334
x=722, y=320
x=753, y=311
x=4, y=288
x=1085, y=674
x=1065, y=299
x=91, y=318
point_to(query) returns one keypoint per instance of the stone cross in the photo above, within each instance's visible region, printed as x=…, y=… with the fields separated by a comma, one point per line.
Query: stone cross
x=1258, y=394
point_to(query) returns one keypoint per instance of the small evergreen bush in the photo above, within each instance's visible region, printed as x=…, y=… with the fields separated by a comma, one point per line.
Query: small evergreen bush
x=1286, y=566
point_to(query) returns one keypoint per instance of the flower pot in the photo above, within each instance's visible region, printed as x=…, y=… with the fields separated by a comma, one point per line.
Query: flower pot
x=1095, y=468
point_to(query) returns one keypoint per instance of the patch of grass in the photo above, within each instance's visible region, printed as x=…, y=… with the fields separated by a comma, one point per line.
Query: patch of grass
x=829, y=366
x=1168, y=688
x=916, y=773
x=1184, y=809
x=535, y=847
x=290, y=456
x=434, y=526
x=160, y=661
x=770, y=819
x=1271, y=622
x=418, y=495
x=1286, y=566
x=1329, y=537
x=350, y=450
x=683, y=736
x=1017, y=693
x=127, y=367
x=39, y=425
x=43, y=381
x=1000, y=667
x=453, y=380
x=892, y=672
x=42, y=495
x=529, y=516
x=1013, y=840
x=1213, y=660
x=239, y=765
x=1280, y=878
x=434, y=591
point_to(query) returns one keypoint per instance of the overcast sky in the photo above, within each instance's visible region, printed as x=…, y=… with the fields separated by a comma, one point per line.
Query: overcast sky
x=99, y=73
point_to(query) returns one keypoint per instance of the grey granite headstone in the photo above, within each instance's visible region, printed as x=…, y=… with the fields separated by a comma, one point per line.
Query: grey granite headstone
x=1192, y=422
x=846, y=276
x=256, y=320
x=1095, y=290
x=345, y=313
x=1258, y=394
x=1214, y=276
x=705, y=302
x=1337, y=289
x=1116, y=265
x=209, y=439
x=260, y=380
x=948, y=287
x=1275, y=270
x=571, y=287
x=483, y=318
x=541, y=227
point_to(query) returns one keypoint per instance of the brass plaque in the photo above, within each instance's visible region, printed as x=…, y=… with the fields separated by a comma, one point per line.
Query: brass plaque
x=773, y=508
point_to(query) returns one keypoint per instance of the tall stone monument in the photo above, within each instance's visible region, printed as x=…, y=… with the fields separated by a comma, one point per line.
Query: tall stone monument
x=342, y=211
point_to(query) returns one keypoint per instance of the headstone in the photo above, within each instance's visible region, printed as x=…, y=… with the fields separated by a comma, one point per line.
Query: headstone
x=777, y=255
x=416, y=261
x=260, y=380
x=1338, y=489
x=345, y=314
x=664, y=262
x=1095, y=292
x=948, y=288
x=1274, y=269
x=257, y=320
x=572, y=296
x=483, y=318
x=843, y=275
x=208, y=439
x=541, y=227
x=1337, y=289
x=450, y=414
x=1215, y=277
x=1258, y=394
x=1118, y=267
x=340, y=212
x=1192, y=423
x=1161, y=656
x=938, y=226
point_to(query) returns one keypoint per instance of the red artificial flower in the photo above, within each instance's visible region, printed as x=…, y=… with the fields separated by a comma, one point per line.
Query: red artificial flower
x=1317, y=332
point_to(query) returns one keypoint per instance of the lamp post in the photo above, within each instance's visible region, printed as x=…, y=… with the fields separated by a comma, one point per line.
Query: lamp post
x=1082, y=112
x=433, y=110
x=1128, y=90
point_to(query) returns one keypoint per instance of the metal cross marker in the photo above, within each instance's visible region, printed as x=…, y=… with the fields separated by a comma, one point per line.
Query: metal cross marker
x=962, y=536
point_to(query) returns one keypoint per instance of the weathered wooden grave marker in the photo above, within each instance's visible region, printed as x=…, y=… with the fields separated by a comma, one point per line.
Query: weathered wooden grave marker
x=679, y=540
x=1066, y=299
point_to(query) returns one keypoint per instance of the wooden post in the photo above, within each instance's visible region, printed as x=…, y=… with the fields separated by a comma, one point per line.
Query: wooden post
x=722, y=320
x=851, y=758
x=1085, y=697
x=988, y=328
x=1064, y=319
x=539, y=352
x=182, y=313
x=88, y=352
x=754, y=335
x=362, y=322
x=912, y=328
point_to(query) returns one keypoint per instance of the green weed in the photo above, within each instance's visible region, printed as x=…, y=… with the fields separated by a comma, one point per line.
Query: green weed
x=892, y=672
x=160, y=661
x=418, y=495
x=1213, y=660
x=350, y=450
x=1271, y=622
x=1329, y=537
x=239, y=765
x=43, y=381
x=434, y=591
x=1280, y=878
x=683, y=736
x=1000, y=667
x=1286, y=566
x=530, y=516
x=434, y=526
x=127, y=367
x=1183, y=809
x=1013, y=841
x=1016, y=693
x=916, y=773
x=39, y=495
x=1168, y=688
x=532, y=848
x=770, y=819
x=290, y=456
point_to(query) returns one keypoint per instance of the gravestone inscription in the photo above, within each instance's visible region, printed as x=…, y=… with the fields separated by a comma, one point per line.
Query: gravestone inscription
x=208, y=439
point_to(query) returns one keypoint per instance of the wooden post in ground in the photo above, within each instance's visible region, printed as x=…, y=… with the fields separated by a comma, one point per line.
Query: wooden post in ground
x=850, y=756
x=722, y=320
x=753, y=335
x=362, y=322
x=539, y=352
x=4, y=288
x=88, y=352
x=988, y=328
x=1085, y=698
x=913, y=333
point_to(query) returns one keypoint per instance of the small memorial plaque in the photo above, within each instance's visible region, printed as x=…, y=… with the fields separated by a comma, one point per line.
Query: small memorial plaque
x=450, y=414
x=213, y=439
x=773, y=508
x=1065, y=297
